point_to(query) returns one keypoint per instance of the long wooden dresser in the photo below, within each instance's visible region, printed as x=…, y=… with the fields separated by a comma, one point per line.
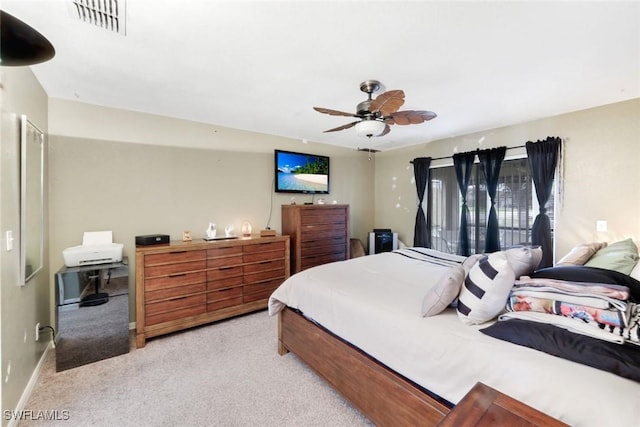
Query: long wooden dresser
x=186, y=284
x=319, y=234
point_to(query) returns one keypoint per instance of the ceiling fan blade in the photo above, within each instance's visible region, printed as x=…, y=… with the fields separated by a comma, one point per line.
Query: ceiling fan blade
x=409, y=117
x=334, y=112
x=386, y=130
x=343, y=127
x=388, y=102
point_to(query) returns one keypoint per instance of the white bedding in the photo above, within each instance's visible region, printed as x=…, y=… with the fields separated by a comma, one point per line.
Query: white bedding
x=374, y=302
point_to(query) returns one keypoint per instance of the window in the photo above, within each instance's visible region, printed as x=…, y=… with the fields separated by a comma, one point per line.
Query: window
x=516, y=206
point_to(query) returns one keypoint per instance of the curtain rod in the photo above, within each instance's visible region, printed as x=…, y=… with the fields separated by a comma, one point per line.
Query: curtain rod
x=449, y=157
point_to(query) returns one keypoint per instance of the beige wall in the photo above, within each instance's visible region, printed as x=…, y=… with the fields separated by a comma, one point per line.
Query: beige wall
x=21, y=307
x=113, y=177
x=600, y=173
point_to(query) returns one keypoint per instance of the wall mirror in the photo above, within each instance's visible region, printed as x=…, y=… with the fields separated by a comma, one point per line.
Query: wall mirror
x=31, y=200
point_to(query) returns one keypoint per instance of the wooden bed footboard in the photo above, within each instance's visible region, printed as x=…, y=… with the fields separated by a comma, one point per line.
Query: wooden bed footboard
x=386, y=397
x=382, y=395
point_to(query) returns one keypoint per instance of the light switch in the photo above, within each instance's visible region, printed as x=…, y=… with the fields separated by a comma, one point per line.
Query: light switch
x=9, y=239
x=601, y=225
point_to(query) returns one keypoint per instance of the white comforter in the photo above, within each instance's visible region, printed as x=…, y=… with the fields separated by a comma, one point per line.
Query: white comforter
x=374, y=302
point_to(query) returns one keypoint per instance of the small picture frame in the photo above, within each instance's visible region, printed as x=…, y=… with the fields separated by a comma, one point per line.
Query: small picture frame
x=186, y=236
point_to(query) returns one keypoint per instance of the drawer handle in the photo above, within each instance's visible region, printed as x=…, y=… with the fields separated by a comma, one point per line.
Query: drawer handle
x=265, y=262
x=177, y=274
x=178, y=298
x=178, y=252
x=226, y=268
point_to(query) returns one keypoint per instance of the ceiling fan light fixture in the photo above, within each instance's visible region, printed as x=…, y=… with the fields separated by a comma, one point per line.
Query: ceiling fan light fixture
x=20, y=44
x=377, y=114
x=370, y=128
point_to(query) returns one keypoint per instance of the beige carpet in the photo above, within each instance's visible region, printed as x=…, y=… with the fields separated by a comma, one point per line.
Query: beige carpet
x=225, y=374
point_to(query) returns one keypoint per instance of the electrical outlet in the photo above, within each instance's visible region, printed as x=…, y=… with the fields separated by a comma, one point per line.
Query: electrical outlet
x=37, y=331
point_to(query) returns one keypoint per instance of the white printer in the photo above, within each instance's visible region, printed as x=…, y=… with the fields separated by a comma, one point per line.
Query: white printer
x=97, y=248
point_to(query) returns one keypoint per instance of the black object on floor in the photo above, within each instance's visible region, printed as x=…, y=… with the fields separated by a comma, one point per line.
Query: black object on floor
x=95, y=299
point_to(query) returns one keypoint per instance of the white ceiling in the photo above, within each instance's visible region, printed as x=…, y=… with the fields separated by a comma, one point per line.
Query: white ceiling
x=262, y=65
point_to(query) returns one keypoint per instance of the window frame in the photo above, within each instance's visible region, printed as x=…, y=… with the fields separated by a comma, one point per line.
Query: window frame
x=446, y=240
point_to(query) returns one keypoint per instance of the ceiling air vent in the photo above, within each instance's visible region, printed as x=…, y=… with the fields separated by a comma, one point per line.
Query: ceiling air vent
x=107, y=14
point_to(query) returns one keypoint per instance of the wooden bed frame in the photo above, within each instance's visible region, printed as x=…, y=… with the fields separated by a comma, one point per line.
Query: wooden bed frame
x=382, y=395
x=387, y=398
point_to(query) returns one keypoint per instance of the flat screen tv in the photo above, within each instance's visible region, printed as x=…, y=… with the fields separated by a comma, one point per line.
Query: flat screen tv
x=301, y=173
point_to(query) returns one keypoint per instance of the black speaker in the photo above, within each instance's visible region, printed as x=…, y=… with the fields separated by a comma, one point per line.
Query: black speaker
x=152, y=239
x=382, y=240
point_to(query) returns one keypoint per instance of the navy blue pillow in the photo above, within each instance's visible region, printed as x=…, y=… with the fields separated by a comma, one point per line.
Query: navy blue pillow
x=580, y=273
x=619, y=359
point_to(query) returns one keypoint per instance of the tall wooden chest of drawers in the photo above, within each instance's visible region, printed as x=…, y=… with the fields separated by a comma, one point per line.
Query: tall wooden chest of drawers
x=319, y=234
x=186, y=284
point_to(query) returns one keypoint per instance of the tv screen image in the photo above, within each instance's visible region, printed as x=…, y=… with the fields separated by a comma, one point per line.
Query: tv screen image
x=301, y=173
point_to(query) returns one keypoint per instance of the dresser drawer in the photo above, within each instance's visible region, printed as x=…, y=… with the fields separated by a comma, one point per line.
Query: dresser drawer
x=179, y=291
x=224, y=251
x=218, y=305
x=263, y=247
x=261, y=290
x=179, y=314
x=177, y=279
x=320, y=232
x=264, y=266
x=323, y=259
x=262, y=275
x=227, y=261
x=171, y=257
x=222, y=294
x=223, y=272
x=226, y=282
x=175, y=269
x=160, y=310
x=264, y=256
x=324, y=248
x=323, y=216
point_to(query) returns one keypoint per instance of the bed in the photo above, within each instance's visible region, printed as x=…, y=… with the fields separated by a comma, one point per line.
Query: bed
x=358, y=323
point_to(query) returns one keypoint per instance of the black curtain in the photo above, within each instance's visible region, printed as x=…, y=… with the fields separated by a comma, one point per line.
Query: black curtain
x=422, y=230
x=543, y=158
x=463, y=163
x=490, y=162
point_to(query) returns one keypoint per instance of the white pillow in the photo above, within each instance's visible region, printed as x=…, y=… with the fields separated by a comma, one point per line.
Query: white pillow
x=524, y=259
x=580, y=254
x=486, y=289
x=444, y=292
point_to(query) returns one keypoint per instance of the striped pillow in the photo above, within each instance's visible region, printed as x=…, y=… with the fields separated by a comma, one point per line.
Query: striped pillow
x=524, y=259
x=486, y=289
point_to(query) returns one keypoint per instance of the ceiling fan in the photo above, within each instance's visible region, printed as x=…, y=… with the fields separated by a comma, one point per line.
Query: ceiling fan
x=375, y=115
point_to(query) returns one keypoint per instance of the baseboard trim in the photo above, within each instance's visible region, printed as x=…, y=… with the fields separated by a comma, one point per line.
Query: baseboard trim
x=26, y=394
